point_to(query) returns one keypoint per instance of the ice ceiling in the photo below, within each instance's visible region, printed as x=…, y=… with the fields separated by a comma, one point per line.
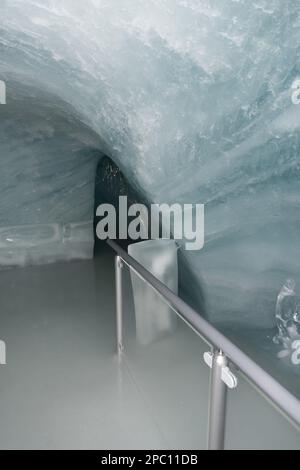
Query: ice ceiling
x=191, y=98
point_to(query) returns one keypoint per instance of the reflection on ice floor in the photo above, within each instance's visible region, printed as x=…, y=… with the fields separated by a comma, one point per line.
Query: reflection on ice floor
x=63, y=386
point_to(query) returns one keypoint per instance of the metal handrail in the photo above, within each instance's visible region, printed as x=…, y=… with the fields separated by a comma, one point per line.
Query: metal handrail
x=287, y=403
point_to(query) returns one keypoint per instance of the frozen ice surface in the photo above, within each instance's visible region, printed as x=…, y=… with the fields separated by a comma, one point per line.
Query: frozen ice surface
x=154, y=318
x=41, y=244
x=191, y=98
x=286, y=312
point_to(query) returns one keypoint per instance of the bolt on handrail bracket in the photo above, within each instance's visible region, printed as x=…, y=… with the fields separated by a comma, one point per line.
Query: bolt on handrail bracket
x=227, y=376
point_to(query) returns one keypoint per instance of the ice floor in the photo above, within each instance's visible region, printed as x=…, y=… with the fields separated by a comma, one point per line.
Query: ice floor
x=64, y=388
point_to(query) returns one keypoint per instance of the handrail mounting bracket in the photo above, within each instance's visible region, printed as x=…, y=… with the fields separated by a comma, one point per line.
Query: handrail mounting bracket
x=227, y=376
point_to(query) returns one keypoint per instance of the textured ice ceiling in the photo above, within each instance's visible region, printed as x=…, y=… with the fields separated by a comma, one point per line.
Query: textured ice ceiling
x=192, y=98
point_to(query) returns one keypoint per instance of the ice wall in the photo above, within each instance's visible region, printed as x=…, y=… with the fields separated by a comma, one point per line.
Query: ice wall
x=47, y=167
x=192, y=98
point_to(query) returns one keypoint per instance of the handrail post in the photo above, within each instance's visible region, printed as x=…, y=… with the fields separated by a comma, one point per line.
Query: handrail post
x=119, y=302
x=217, y=405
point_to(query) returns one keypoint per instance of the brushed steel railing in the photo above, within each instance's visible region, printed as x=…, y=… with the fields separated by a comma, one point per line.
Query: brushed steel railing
x=224, y=352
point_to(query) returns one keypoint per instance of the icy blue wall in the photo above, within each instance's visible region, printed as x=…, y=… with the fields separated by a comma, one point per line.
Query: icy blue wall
x=47, y=167
x=192, y=98
x=48, y=161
